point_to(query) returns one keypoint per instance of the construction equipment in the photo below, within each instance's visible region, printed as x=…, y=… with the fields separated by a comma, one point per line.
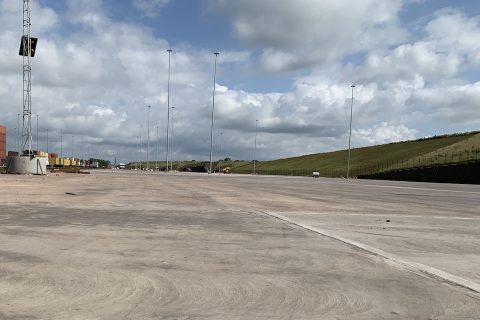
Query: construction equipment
x=226, y=170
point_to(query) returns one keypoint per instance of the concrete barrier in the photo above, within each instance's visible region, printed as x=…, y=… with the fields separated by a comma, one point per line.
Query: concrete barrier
x=468, y=173
x=26, y=165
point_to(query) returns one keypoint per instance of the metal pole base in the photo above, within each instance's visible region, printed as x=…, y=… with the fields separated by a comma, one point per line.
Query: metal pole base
x=27, y=165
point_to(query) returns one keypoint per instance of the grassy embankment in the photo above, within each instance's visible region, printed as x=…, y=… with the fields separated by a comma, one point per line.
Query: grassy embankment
x=433, y=151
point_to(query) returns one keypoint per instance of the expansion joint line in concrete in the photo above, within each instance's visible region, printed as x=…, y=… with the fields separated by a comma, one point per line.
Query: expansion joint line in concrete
x=417, y=268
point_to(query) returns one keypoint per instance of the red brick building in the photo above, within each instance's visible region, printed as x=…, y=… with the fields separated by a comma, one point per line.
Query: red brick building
x=3, y=144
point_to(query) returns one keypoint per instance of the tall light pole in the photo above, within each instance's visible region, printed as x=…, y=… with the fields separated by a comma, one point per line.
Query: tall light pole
x=141, y=128
x=61, y=143
x=220, y=152
x=82, y=146
x=18, y=147
x=16, y=138
x=213, y=112
x=136, y=158
x=47, y=140
x=37, y=146
x=168, y=106
x=148, y=136
x=350, y=135
x=73, y=137
x=156, y=148
x=255, y=148
x=171, y=145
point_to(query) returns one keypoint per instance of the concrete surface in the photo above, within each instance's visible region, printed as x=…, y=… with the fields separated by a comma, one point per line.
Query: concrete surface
x=126, y=245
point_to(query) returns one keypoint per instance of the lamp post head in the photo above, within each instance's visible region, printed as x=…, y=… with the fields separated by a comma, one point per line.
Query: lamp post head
x=169, y=50
x=216, y=53
x=352, y=86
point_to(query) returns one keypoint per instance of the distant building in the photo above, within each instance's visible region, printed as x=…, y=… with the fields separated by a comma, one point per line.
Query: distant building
x=3, y=144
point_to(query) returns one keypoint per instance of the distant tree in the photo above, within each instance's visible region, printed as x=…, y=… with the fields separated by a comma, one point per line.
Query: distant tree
x=227, y=159
x=101, y=163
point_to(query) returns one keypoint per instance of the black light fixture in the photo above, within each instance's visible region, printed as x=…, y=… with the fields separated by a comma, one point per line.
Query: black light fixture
x=24, y=45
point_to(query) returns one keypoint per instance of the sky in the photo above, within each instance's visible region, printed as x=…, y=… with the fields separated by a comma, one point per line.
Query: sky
x=289, y=64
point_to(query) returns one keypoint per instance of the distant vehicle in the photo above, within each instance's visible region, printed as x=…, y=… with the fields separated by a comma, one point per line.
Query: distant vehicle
x=226, y=170
x=316, y=174
x=121, y=166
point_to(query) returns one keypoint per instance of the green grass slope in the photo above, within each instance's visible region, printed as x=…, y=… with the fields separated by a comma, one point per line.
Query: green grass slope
x=376, y=158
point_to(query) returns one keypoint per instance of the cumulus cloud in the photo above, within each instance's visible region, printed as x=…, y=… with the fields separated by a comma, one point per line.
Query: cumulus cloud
x=150, y=7
x=87, y=85
x=408, y=61
x=11, y=11
x=454, y=31
x=300, y=34
x=450, y=47
x=383, y=133
x=308, y=110
x=318, y=113
x=451, y=103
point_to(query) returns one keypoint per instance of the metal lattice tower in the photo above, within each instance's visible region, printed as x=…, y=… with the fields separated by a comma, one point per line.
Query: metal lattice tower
x=27, y=81
x=26, y=162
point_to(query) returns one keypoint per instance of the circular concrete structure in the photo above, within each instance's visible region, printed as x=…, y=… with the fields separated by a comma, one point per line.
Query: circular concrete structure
x=26, y=165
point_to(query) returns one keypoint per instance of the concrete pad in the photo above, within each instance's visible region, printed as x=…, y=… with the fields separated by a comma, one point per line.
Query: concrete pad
x=121, y=245
x=395, y=259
